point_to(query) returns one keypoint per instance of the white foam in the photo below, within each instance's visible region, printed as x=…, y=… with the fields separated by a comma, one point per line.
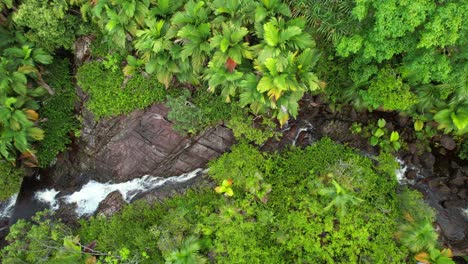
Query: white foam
x=465, y=213
x=400, y=172
x=47, y=196
x=92, y=193
x=8, y=206
x=307, y=128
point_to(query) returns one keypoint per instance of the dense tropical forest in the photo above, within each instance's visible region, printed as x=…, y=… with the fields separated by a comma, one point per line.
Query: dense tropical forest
x=394, y=72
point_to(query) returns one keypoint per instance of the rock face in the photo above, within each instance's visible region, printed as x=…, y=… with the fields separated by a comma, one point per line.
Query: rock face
x=129, y=146
x=111, y=204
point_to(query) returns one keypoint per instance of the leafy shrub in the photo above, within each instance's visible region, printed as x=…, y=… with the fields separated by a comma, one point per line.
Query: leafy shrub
x=41, y=241
x=389, y=92
x=243, y=127
x=46, y=23
x=463, y=152
x=58, y=113
x=194, y=114
x=10, y=180
x=20, y=74
x=110, y=95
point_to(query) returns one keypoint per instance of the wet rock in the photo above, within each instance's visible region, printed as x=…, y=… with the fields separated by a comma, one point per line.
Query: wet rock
x=411, y=174
x=447, y=142
x=67, y=213
x=442, y=151
x=454, y=165
x=464, y=170
x=141, y=143
x=337, y=130
x=111, y=204
x=4, y=222
x=451, y=220
x=403, y=120
x=454, y=204
x=428, y=160
x=82, y=48
x=407, y=158
x=458, y=178
x=463, y=194
x=444, y=190
x=436, y=182
x=415, y=160
x=413, y=148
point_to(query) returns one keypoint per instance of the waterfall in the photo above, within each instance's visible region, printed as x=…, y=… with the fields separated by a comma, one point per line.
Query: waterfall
x=6, y=208
x=93, y=192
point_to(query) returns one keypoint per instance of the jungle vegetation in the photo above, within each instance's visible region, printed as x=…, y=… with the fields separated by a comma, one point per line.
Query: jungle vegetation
x=236, y=61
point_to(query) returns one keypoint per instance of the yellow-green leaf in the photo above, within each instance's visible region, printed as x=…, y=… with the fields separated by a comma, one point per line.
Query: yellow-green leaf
x=418, y=125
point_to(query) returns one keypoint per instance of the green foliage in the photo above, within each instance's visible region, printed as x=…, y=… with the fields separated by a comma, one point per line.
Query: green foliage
x=436, y=256
x=330, y=20
x=340, y=198
x=20, y=77
x=41, y=241
x=10, y=180
x=389, y=92
x=454, y=118
x=193, y=114
x=409, y=57
x=58, y=113
x=222, y=45
x=112, y=94
x=418, y=236
x=379, y=135
x=244, y=127
x=188, y=118
x=387, y=163
x=187, y=254
x=47, y=23
x=225, y=188
x=463, y=152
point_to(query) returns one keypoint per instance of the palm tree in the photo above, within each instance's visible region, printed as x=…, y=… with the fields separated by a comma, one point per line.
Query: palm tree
x=188, y=253
x=341, y=198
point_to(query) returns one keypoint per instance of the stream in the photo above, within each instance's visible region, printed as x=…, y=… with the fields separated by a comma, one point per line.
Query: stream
x=87, y=198
x=452, y=217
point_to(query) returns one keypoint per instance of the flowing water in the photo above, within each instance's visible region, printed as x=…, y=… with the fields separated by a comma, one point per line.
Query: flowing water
x=92, y=193
x=6, y=207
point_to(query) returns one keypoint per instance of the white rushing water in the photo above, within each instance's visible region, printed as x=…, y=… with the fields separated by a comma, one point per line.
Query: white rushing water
x=400, y=173
x=48, y=197
x=92, y=193
x=7, y=207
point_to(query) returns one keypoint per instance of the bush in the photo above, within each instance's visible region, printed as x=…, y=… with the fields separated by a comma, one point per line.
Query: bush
x=41, y=240
x=192, y=114
x=10, y=180
x=244, y=128
x=58, y=113
x=111, y=96
x=47, y=23
x=463, y=152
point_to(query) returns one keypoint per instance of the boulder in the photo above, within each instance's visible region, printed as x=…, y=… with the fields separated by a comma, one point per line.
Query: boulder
x=458, y=179
x=451, y=219
x=111, y=204
x=447, y=142
x=428, y=160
